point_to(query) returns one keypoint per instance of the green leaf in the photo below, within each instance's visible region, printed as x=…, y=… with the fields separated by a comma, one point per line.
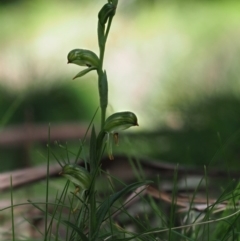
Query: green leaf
x=76, y=228
x=101, y=35
x=100, y=143
x=103, y=90
x=85, y=71
x=93, y=149
x=106, y=205
x=115, y=2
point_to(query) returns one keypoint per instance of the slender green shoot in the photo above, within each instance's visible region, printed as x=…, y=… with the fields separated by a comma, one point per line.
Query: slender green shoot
x=12, y=210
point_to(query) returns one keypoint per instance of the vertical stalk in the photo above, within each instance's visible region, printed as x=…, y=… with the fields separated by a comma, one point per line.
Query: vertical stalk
x=103, y=99
x=86, y=57
x=103, y=94
x=102, y=79
x=12, y=210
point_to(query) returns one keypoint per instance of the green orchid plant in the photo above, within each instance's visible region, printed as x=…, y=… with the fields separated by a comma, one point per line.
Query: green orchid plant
x=83, y=57
x=83, y=179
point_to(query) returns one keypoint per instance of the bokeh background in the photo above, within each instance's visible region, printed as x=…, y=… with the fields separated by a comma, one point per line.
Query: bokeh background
x=174, y=63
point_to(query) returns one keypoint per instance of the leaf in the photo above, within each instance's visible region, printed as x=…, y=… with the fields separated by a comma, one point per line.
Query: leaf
x=103, y=90
x=85, y=71
x=74, y=227
x=105, y=206
x=93, y=149
x=101, y=34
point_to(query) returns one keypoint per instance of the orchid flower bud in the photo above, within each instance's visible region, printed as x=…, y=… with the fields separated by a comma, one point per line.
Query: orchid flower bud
x=120, y=121
x=83, y=57
x=78, y=175
x=108, y=10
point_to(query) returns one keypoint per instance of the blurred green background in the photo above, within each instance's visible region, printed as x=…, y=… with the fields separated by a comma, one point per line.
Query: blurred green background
x=174, y=63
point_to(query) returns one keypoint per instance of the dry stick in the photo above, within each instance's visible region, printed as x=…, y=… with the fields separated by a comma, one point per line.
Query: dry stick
x=19, y=134
x=182, y=202
x=152, y=166
x=28, y=175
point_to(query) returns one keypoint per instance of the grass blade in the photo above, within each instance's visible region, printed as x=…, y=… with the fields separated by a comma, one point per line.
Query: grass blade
x=105, y=206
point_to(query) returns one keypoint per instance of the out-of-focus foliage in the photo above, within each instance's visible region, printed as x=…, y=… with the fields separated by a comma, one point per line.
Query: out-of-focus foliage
x=33, y=73
x=175, y=61
x=61, y=103
x=56, y=104
x=11, y=2
x=5, y=2
x=208, y=134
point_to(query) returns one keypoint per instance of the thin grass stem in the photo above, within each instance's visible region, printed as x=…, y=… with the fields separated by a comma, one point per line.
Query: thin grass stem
x=12, y=210
x=47, y=186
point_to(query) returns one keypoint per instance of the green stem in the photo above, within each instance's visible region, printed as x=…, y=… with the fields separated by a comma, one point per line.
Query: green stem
x=101, y=74
x=103, y=96
x=101, y=55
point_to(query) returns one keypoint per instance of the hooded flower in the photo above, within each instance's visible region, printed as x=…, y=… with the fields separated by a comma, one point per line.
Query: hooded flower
x=117, y=122
x=83, y=57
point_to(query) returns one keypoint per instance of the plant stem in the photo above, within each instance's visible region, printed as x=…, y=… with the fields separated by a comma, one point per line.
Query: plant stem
x=102, y=78
x=103, y=99
x=12, y=211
